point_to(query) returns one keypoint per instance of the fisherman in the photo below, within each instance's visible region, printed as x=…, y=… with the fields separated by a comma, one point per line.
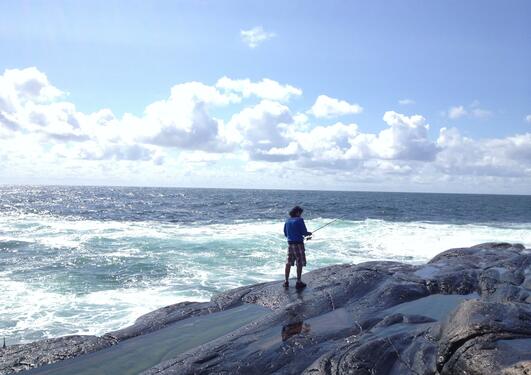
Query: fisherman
x=295, y=231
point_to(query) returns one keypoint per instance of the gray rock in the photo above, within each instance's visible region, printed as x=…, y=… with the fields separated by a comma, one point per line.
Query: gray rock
x=465, y=311
x=388, y=343
x=161, y=318
x=16, y=358
x=475, y=327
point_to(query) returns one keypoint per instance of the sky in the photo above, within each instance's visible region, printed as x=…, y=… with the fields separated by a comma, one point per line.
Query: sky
x=413, y=95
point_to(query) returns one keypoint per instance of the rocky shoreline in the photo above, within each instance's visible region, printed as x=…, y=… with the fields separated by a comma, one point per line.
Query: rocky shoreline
x=467, y=311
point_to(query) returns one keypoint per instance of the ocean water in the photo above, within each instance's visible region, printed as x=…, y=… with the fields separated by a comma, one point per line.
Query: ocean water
x=88, y=260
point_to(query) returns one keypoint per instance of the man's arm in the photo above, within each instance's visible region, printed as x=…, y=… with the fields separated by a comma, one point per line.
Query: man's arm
x=285, y=231
x=304, y=230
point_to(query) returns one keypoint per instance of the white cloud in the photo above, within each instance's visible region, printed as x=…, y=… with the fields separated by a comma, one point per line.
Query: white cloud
x=406, y=138
x=264, y=89
x=389, y=167
x=100, y=151
x=255, y=36
x=261, y=128
x=18, y=89
x=42, y=134
x=8, y=125
x=288, y=152
x=457, y=112
x=300, y=119
x=505, y=157
x=473, y=111
x=327, y=107
x=406, y=101
x=199, y=157
x=480, y=113
x=183, y=120
x=17, y=86
x=58, y=120
x=343, y=146
x=528, y=118
x=331, y=145
x=184, y=126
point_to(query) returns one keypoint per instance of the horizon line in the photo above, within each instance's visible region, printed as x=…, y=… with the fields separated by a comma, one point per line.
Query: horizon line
x=268, y=189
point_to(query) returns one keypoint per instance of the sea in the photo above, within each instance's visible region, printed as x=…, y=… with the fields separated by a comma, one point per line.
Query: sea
x=89, y=260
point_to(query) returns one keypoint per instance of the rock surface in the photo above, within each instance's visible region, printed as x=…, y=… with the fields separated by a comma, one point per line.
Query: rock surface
x=17, y=358
x=467, y=311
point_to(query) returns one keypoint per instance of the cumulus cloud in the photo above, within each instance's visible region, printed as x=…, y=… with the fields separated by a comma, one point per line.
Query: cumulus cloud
x=8, y=124
x=181, y=121
x=179, y=126
x=344, y=146
x=528, y=118
x=17, y=86
x=332, y=146
x=261, y=130
x=184, y=121
x=20, y=88
x=406, y=138
x=255, y=36
x=57, y=120
x=200, y=128
x=264, y=89
x=100, y=151
x=29, y=103
x=505, y=157
x=327, y=107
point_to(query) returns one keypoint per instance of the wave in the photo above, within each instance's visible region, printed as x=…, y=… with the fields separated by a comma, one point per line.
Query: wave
x=62, y=276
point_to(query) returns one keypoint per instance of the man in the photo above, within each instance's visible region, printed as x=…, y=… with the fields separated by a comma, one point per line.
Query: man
x=295, y=231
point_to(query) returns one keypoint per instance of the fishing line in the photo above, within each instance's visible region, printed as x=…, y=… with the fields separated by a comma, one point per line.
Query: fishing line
x=322, y=226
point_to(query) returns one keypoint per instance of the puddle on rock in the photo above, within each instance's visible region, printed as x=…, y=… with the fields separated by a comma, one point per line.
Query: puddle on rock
x=435, y=306
x=140, y=353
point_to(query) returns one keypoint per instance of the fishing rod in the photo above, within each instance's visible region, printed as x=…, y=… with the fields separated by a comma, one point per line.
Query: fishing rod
x=322, y=226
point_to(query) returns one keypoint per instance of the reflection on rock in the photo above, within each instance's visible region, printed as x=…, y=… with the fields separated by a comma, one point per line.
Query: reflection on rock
x=293, y=329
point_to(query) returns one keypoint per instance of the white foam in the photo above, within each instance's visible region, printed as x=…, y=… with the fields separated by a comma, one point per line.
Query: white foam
x=30, y=313
x=189, y=262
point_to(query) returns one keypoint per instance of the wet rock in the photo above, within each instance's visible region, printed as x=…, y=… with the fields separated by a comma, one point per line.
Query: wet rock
x=459, y=313
x=16, y=358
x=475, y=327
x=466, y=311
x=161, y=318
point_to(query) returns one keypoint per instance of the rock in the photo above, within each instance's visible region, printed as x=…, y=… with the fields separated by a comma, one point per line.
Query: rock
x=16, y=358
x=475, y=327
x=487, y=277
x=161, y=318
x=466, y=311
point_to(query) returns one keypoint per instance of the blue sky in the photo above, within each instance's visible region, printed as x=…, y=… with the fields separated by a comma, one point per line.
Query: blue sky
x=461, y=65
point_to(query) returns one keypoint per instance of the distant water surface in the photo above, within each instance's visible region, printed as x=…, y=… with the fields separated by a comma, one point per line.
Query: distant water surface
x=87, y=260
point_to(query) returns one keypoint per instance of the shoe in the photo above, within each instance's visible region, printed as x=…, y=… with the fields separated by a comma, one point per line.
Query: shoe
x=286, y=284
x=300, y=285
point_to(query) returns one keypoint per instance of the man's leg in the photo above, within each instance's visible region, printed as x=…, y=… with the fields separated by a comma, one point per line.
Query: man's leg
x=299, y=272
x=287, y=270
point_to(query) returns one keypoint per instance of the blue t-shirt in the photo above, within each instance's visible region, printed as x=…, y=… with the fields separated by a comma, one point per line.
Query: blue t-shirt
x=295, y=229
